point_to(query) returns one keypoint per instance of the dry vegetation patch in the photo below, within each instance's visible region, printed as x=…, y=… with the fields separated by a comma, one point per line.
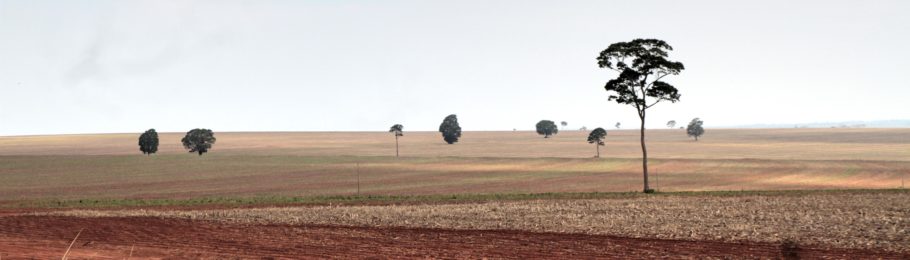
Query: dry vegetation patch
x=871, y=221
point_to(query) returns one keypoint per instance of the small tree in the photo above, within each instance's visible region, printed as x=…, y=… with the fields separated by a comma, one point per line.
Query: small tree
x=450, y=129
x=198, y=140
x=641, y=64
x=583, y=128
x=618, y=125
x=546, y=128
x=596, y=137
x=671, y=123
x=694, y=129
x=564, y=124
x=397, y=129
x=148, y=142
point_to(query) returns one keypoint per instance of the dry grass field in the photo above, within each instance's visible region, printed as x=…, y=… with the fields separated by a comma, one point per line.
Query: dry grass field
x=305, y=164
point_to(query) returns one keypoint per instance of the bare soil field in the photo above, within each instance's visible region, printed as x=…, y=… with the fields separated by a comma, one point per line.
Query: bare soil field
x=179, y=176
x=874, y=220
x=308, y=164
x=29, y=237
x=89, y=167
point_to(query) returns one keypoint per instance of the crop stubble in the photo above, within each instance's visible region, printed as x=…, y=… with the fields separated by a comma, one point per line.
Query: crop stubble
x=862, y=221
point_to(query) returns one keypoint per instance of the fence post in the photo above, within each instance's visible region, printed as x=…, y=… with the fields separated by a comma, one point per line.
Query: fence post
x=357, y=169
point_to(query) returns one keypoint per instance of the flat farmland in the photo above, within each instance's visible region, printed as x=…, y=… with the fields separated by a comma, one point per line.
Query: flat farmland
x=772, y=144
x=308, y=164
x=523, y=196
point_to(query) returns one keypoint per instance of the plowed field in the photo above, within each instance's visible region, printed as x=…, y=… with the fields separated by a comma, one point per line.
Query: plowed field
x=115, y=238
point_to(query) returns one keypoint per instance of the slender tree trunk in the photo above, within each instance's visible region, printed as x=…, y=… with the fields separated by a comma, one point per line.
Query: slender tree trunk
x=396, y=145
x=598, y=150
x=644, y=152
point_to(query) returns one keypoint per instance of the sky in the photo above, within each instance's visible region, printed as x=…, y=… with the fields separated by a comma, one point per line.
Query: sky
x=127, y=66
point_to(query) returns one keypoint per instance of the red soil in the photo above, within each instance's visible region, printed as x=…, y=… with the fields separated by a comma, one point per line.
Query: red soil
x=102, y=238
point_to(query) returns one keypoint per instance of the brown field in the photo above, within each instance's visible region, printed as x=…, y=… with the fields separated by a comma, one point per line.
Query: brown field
x=29, y=237
x=861, y=224
x=772, y=144
x=876, y=220
x=305, y=164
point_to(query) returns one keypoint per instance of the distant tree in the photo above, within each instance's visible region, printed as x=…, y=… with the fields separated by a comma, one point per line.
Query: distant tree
x=546, y=128
x=618, y=125
x=596, y=137
x=671, y=123
x=198, y=140
x=583, y=128
x=148, y=142
x=450, y=129
x=642, y=64
x=398, y=130
x=694, y=129
x=563, y=124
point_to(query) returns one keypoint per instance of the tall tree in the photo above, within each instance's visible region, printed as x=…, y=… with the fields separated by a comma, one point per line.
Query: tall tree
x=671, y=123
x=641, y=64
x=564, y=124
x=398, y=130
x=148, y=142
x=450, y=129
x=618, y=125
x=694, y=129
x=546, y=128
x=198, y=140
x=597, y=137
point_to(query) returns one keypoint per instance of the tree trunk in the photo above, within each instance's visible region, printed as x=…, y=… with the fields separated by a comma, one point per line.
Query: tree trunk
x=644, y=152
x=598, y=150
x=396, y=145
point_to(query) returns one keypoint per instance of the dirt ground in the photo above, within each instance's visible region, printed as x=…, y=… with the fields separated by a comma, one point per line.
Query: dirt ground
x=24, y=237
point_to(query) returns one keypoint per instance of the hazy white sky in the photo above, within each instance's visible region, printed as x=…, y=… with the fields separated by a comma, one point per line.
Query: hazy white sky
x=126, y=66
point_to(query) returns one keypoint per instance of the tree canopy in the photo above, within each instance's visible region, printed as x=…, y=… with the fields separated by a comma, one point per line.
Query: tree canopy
x=198, y=140
x=546, y=128
x=671, y=123
x=148, y=142
x=694, y=129
x=450, y=129
x=597, y=137
x=397, y=129
x=642, y=65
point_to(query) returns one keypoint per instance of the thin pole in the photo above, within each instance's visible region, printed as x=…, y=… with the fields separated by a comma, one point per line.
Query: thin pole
x=358, y=178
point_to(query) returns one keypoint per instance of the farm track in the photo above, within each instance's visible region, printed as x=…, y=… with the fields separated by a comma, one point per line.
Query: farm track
x=48, y=236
